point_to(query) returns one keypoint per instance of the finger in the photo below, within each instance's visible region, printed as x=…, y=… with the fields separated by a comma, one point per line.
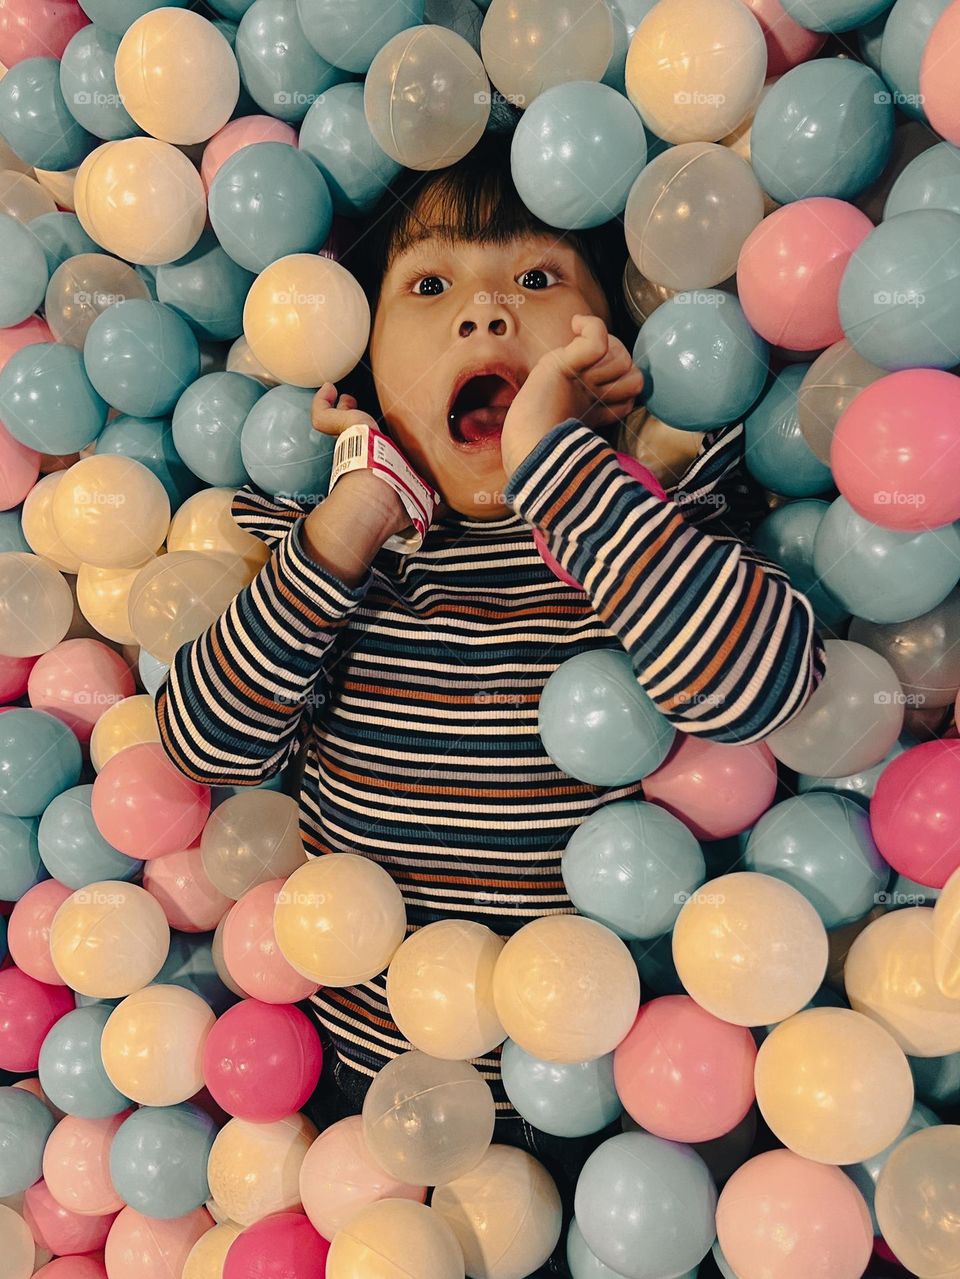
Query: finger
x=586, y=349
x=620, y=388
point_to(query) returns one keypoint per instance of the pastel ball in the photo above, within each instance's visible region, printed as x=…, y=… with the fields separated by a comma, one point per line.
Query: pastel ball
x=254, y=1168
x=566, y=1099
x=336, y=136
x=35, y=118
x=71, y=1070
x=351, y=38
x=394, y=1236
x=47, y=400
x=279, y=449
x=109, y=939
x=776, y=453
x=152, y=1045
x=158, y=1159
x=39, y=758
x=24, y=280
x=25, y=1125
x=141, y=356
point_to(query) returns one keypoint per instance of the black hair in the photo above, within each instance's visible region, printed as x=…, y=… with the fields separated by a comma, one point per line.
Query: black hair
x=475, y=200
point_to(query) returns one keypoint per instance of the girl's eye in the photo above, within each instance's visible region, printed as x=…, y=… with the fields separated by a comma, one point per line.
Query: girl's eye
x=433, y=281
x=540, y=270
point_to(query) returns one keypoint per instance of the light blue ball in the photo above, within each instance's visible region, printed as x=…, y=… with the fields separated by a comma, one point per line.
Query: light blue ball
x=25, y=1125
x=71, y=846
x=584, y=1265
x=89, y=85
x=864, y=1175
x=279, y=67
x=775, y=451
x=703, y=364
x=23, y=281
x=39, y=759
x=641, y=1200
x=141, y=356
x=47, y=401
x=825, y=128
x=859, y=786
x=631, y=865
x=281, y=451
x=870, y=40
x=268, y=201
x=20, y=864
x=350, y=36
x=930, y=181
x=152, y=671
x=158, y=1160
x=189, y=963
x=786, y=536
x=597, y=723
x=207, y=423
x=821, y=845
x=336, y=137
x=71, y=1069
x=207, y=288
x=11, y=532
x=117, y=15
x=61, y=236
x=566, y=1099
x=233, y=10
x=885, y=574
x=905, y=36
x=627, y=16
x=899, y=299
x=907, y=892
x=35, y=120
x=834, y=15
x=149, y=440
x=577, y=150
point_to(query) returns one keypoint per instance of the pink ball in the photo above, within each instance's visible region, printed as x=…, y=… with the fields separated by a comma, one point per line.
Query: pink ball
x=788, y=44
x=938, y=75
x=32, y=329
x=73, y=1268
x=251, y=953
x=716, y=789
x=780, y=1196
x=915, y=812
x=896, y=450
x=789, y=271
x=140, y=1247
x=182, y=887
x=28, y=1009
x=632, y=467
x=76, y=1164
x=38, y=28
x=238, y=134
x=19, y=469
x=281, y=1246
x=144, y=806
x=28, y=936
x=262, y=1061
x=14, y=676
x=61, y=1231
x=684, y=1074
x=77, y=680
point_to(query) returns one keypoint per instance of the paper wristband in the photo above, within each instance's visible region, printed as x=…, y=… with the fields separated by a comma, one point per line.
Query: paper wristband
x=363, y=447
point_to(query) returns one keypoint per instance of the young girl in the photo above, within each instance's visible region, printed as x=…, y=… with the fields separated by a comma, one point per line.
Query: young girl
x=410, y=683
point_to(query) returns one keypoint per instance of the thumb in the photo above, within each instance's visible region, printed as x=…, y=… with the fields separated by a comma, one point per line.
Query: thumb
x=586, y=348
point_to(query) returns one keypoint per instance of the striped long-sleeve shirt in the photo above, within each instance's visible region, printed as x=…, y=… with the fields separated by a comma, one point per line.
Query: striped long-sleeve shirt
x=413, y=696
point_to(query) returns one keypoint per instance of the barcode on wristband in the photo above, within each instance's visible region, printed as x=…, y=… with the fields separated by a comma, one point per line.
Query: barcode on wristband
x=354, y=447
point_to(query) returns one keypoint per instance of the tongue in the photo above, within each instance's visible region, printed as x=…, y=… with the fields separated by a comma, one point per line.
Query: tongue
x=480, y=423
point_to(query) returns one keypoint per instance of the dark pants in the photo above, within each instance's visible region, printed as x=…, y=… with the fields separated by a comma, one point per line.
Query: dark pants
x=341, y=1092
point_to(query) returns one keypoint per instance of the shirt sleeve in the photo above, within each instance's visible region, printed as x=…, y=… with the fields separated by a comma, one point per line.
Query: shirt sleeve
x=718, y=638
x=231, y=704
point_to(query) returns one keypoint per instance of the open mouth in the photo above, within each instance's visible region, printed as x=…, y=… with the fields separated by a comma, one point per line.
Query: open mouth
x=479, y=406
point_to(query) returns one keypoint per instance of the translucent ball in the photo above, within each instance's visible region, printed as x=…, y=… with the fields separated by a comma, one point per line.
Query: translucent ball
x=531, y=47
x=175, y=597
x=251, y=838
x=32, y=587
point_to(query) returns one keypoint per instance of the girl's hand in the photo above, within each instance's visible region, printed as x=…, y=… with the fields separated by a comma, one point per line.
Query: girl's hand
x=592, y=378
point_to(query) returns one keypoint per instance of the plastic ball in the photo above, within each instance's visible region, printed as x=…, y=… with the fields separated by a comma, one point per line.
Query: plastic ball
x=207, y=1256
x=22, y=196
x=37, y=28
x=351, y=38
x=916, y=1191
x=25, y=1125
x=76, y=1164
x=20, y=468
x=778, y=1195
x=339, y=919
x=177, y=596
x=144, y=806
x=72, y=848
x=250, y=839
x=851, y=720
x=20, y=864
x=306, y=319
x=279, y=68
x=31, y=586
x=28, y=1010
x=694, y=71
x=714, y=788
x=889, y=976
x=638, y=1196
x=39, y=529
x=141, y=1247
x=395, y=1239
x=204, y=523
x=898, y=301
x=109, y=939
x=60, y=1231
x=566, y=988
x=426, y=97
x=440, y=989
x=28, y=930
x=158, y=1159
x=17, y=1243
x=261, y=1062
x=25, y=278
x=427, y=1121
x=141, y=199
x=89, y=1266
x=566, y=1099
x=242, y=132
x=207, y=422
x=281, y=451
x=829, y=386
x=35, y=119
x=189, y=900
x=907, y=31
x=336, y=136
x=670, y=247
x=152, y=1045
x=283, y=1244
x=946, y=937
x=252, y=958
x=47, y=401
x=82, y=288
x=141, y=356
x=89, y=86
x=71, y=1069
x=39, y=759
x=749, y=948
x=254, y=1168
x=78, y=681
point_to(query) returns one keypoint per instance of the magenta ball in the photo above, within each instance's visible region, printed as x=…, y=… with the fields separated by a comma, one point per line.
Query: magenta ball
x=262, y=1061
x=632, y=467
x=281, y=1246
x=915, y=812
x=28, y=1009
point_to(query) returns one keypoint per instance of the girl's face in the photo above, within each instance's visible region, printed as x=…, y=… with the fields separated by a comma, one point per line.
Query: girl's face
x=446, y=310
